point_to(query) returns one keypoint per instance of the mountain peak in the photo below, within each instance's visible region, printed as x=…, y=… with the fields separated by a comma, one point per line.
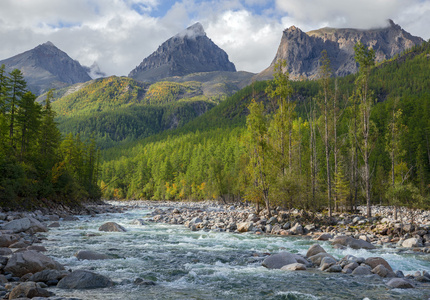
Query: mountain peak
x=48, y=43
x=193, y=31
x=190, y=51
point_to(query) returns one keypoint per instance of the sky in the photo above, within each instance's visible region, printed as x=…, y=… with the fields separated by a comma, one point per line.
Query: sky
x=119, y=34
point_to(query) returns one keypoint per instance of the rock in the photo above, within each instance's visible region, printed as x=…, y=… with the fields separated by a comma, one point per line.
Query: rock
x=412, y=242
x=277, y=261
x=5, y=251
x=70, y=218
x=399, y=283
x=349, y=267
x=276, y=229
x=327, y=262
x=139, y=222
x=47, y=276
x=334, y=269
x=25, y=224
x=382, y=271
x=90, y=255
x=112, y=227
x=352, y=243
x=8, y=239
x=140, y=281
x=297, y=229
x=37, y=248
x=196, y=220
x=83, y=279
x=375, y=261
x=30, y=261
x=294, y=267
x=317, y=258
x=422, y=278
x=324, y=237
x=19, y=245
x=315, y=249
x=245, y=226
x=54, y=225
x=362, y=270
x=28, y=290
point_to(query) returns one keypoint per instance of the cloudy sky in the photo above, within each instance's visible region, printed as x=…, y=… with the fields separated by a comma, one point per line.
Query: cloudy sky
x=119, y=34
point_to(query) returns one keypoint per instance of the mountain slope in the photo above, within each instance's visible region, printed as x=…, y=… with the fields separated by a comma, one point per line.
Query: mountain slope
x=188, y=52
x=46, y=67
x=302, y=51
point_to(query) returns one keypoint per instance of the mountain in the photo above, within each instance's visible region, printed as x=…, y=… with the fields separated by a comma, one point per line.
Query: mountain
x=46, y=67
x=302, y=51
x=190, y=51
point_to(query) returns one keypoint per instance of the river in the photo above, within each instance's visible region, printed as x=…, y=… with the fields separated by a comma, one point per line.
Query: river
x=212, y=265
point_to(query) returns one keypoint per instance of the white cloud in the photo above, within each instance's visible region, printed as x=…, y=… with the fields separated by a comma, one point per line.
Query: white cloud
x=118, y=34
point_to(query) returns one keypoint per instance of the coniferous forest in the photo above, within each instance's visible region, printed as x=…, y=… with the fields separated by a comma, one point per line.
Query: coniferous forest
x=333, y=143
x=38, y=166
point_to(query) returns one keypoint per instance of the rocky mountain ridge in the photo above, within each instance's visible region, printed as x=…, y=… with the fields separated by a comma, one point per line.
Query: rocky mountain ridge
x=46, y=67
x=190, y=51
x=302, y=51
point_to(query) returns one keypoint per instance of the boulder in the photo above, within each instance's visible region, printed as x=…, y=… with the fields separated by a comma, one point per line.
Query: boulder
x=324, y=237
x=38, y=248
x=348, y=241
x=362, y=270
x=277, y=261
x=294, y=267
x=400, y=283
x=412, y=242
x=112, y=227
x=28, y=290
x=334, y=269
x=5, y=251
x=317, y=258
x=46, y=276
x=349, y=267
x=138, y=222
x=315, y=249
x=90, y=255
x=245, y=226
x=83, y=279
x=327, y=262
x=8, y=239
x=30, y=261
x=54, y=225
x=375, y=261
x=297, y=229
x=24, y=224
x=382, y=271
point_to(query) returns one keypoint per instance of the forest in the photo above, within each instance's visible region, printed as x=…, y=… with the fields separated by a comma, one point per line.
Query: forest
x=39, y=167
x=332, y=144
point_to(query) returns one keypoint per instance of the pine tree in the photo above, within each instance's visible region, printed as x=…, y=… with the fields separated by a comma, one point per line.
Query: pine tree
x=17, y=86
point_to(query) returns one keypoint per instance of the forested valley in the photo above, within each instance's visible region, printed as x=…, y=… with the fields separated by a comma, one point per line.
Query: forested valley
x=38, y=166
x=329, y=144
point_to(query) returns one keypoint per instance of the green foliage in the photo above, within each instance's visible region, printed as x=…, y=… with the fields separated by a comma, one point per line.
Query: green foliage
x=33, y=166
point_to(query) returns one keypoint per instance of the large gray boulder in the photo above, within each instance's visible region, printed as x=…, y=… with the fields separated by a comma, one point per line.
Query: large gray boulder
x=278, y=260
x=317, y=258
x=28, y=290
x=362, y=270
x=112, y=227
x=412, y=242
x=315, y=249
x=399, y=283
x=90, y=255
x=382, y=271
x=327, y=262
x=48, y=275
x=25, y=224
x=245, y=226
x=83, y=279
x=8, y=239
x=352, y=243
x=30, y=261
x=375, y=261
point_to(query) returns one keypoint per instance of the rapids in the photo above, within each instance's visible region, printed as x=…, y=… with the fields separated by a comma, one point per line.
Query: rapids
x=211, y=265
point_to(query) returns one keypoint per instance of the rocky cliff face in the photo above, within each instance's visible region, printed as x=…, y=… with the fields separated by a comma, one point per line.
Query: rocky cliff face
x=188, y=52
x=302, y=51
x=46, y=67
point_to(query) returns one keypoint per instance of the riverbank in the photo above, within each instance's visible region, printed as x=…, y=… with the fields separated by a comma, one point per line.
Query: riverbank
x=25, y=236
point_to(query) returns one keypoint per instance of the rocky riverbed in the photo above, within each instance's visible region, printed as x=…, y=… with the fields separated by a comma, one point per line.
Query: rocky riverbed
x=26, y=272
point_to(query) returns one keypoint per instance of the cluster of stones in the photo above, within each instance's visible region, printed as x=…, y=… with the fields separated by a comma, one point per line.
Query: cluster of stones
x=25, y=272
x=377, y=230
x=317, y=257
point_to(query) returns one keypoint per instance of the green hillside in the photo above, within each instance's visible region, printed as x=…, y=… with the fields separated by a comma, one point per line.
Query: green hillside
x=209, y=157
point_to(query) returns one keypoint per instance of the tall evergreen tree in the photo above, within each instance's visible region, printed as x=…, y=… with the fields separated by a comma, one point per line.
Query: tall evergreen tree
x=17, y=86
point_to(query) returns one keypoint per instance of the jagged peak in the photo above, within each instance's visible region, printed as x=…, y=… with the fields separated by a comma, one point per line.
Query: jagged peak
x=193, y=31
x=48, y=43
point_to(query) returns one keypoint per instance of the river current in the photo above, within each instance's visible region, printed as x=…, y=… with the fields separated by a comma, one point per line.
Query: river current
x=212, y=265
